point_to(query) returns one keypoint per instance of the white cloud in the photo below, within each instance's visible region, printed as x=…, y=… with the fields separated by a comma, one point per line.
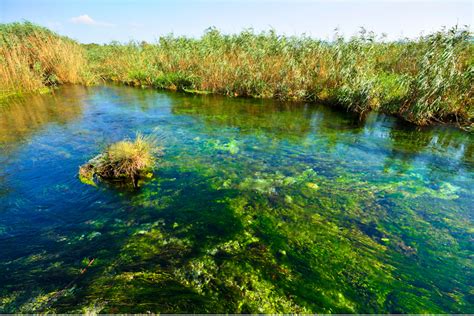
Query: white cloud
x=136, y=25
x=87, y=20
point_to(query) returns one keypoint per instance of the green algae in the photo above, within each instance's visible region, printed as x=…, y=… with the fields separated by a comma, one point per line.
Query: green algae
x=248, y=214
x=258, y=269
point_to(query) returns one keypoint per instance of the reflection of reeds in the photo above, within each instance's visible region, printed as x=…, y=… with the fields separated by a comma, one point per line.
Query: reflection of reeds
x=32, y=57
x=423, y=80
x=21, y=116
x=247, y=115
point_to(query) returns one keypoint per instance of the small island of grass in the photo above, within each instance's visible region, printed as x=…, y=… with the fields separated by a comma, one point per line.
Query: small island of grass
x=127, y=160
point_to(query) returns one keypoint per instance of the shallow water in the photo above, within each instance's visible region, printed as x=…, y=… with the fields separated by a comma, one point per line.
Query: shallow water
x=256, y=206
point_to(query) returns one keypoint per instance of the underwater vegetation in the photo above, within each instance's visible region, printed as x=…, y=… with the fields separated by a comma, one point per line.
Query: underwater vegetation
x=250, y=210
x=123, y=160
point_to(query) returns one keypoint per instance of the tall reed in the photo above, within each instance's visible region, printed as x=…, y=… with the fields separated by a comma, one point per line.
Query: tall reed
x=422, y=81
x=32, y=57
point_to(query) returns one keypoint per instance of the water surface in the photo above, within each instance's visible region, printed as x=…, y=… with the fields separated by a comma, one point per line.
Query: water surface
x=257, y=206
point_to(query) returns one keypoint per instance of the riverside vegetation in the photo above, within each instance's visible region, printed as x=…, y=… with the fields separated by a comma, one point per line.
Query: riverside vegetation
x=33, y=58
x=426, y=80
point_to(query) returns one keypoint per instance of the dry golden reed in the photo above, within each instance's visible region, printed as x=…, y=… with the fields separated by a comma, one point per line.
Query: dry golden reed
x=32, y=58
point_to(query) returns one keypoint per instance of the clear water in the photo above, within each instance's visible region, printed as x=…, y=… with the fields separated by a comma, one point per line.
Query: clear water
x=256, y=206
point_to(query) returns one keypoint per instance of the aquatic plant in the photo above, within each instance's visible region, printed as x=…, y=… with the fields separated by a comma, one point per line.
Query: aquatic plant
x=125, y=159
x=316, y=212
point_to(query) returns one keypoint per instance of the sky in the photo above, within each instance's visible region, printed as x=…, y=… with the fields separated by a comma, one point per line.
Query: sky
x=101, y=21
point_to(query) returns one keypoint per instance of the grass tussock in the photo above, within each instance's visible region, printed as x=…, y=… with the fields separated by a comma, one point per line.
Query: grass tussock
x=423, y=80
x=33, y=58
x=127, y=159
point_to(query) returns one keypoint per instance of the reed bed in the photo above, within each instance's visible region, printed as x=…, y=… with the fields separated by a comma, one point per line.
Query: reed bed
x=423, y=80
x=426, y=80
x=33, y=58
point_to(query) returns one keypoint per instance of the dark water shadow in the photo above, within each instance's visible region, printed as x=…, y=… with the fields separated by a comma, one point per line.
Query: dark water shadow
x=195, y=213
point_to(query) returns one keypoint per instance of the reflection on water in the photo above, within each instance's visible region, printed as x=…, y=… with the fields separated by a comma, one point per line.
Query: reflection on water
x=22, y=116
x=258, y=206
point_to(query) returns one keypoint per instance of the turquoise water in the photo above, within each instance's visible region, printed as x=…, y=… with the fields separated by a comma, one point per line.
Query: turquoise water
x=256, y=207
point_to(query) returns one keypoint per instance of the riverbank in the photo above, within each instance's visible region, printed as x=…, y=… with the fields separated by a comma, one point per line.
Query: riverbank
x=422, y=81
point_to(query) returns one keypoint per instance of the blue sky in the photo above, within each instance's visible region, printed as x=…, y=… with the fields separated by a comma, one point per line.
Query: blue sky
x=123, y=20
